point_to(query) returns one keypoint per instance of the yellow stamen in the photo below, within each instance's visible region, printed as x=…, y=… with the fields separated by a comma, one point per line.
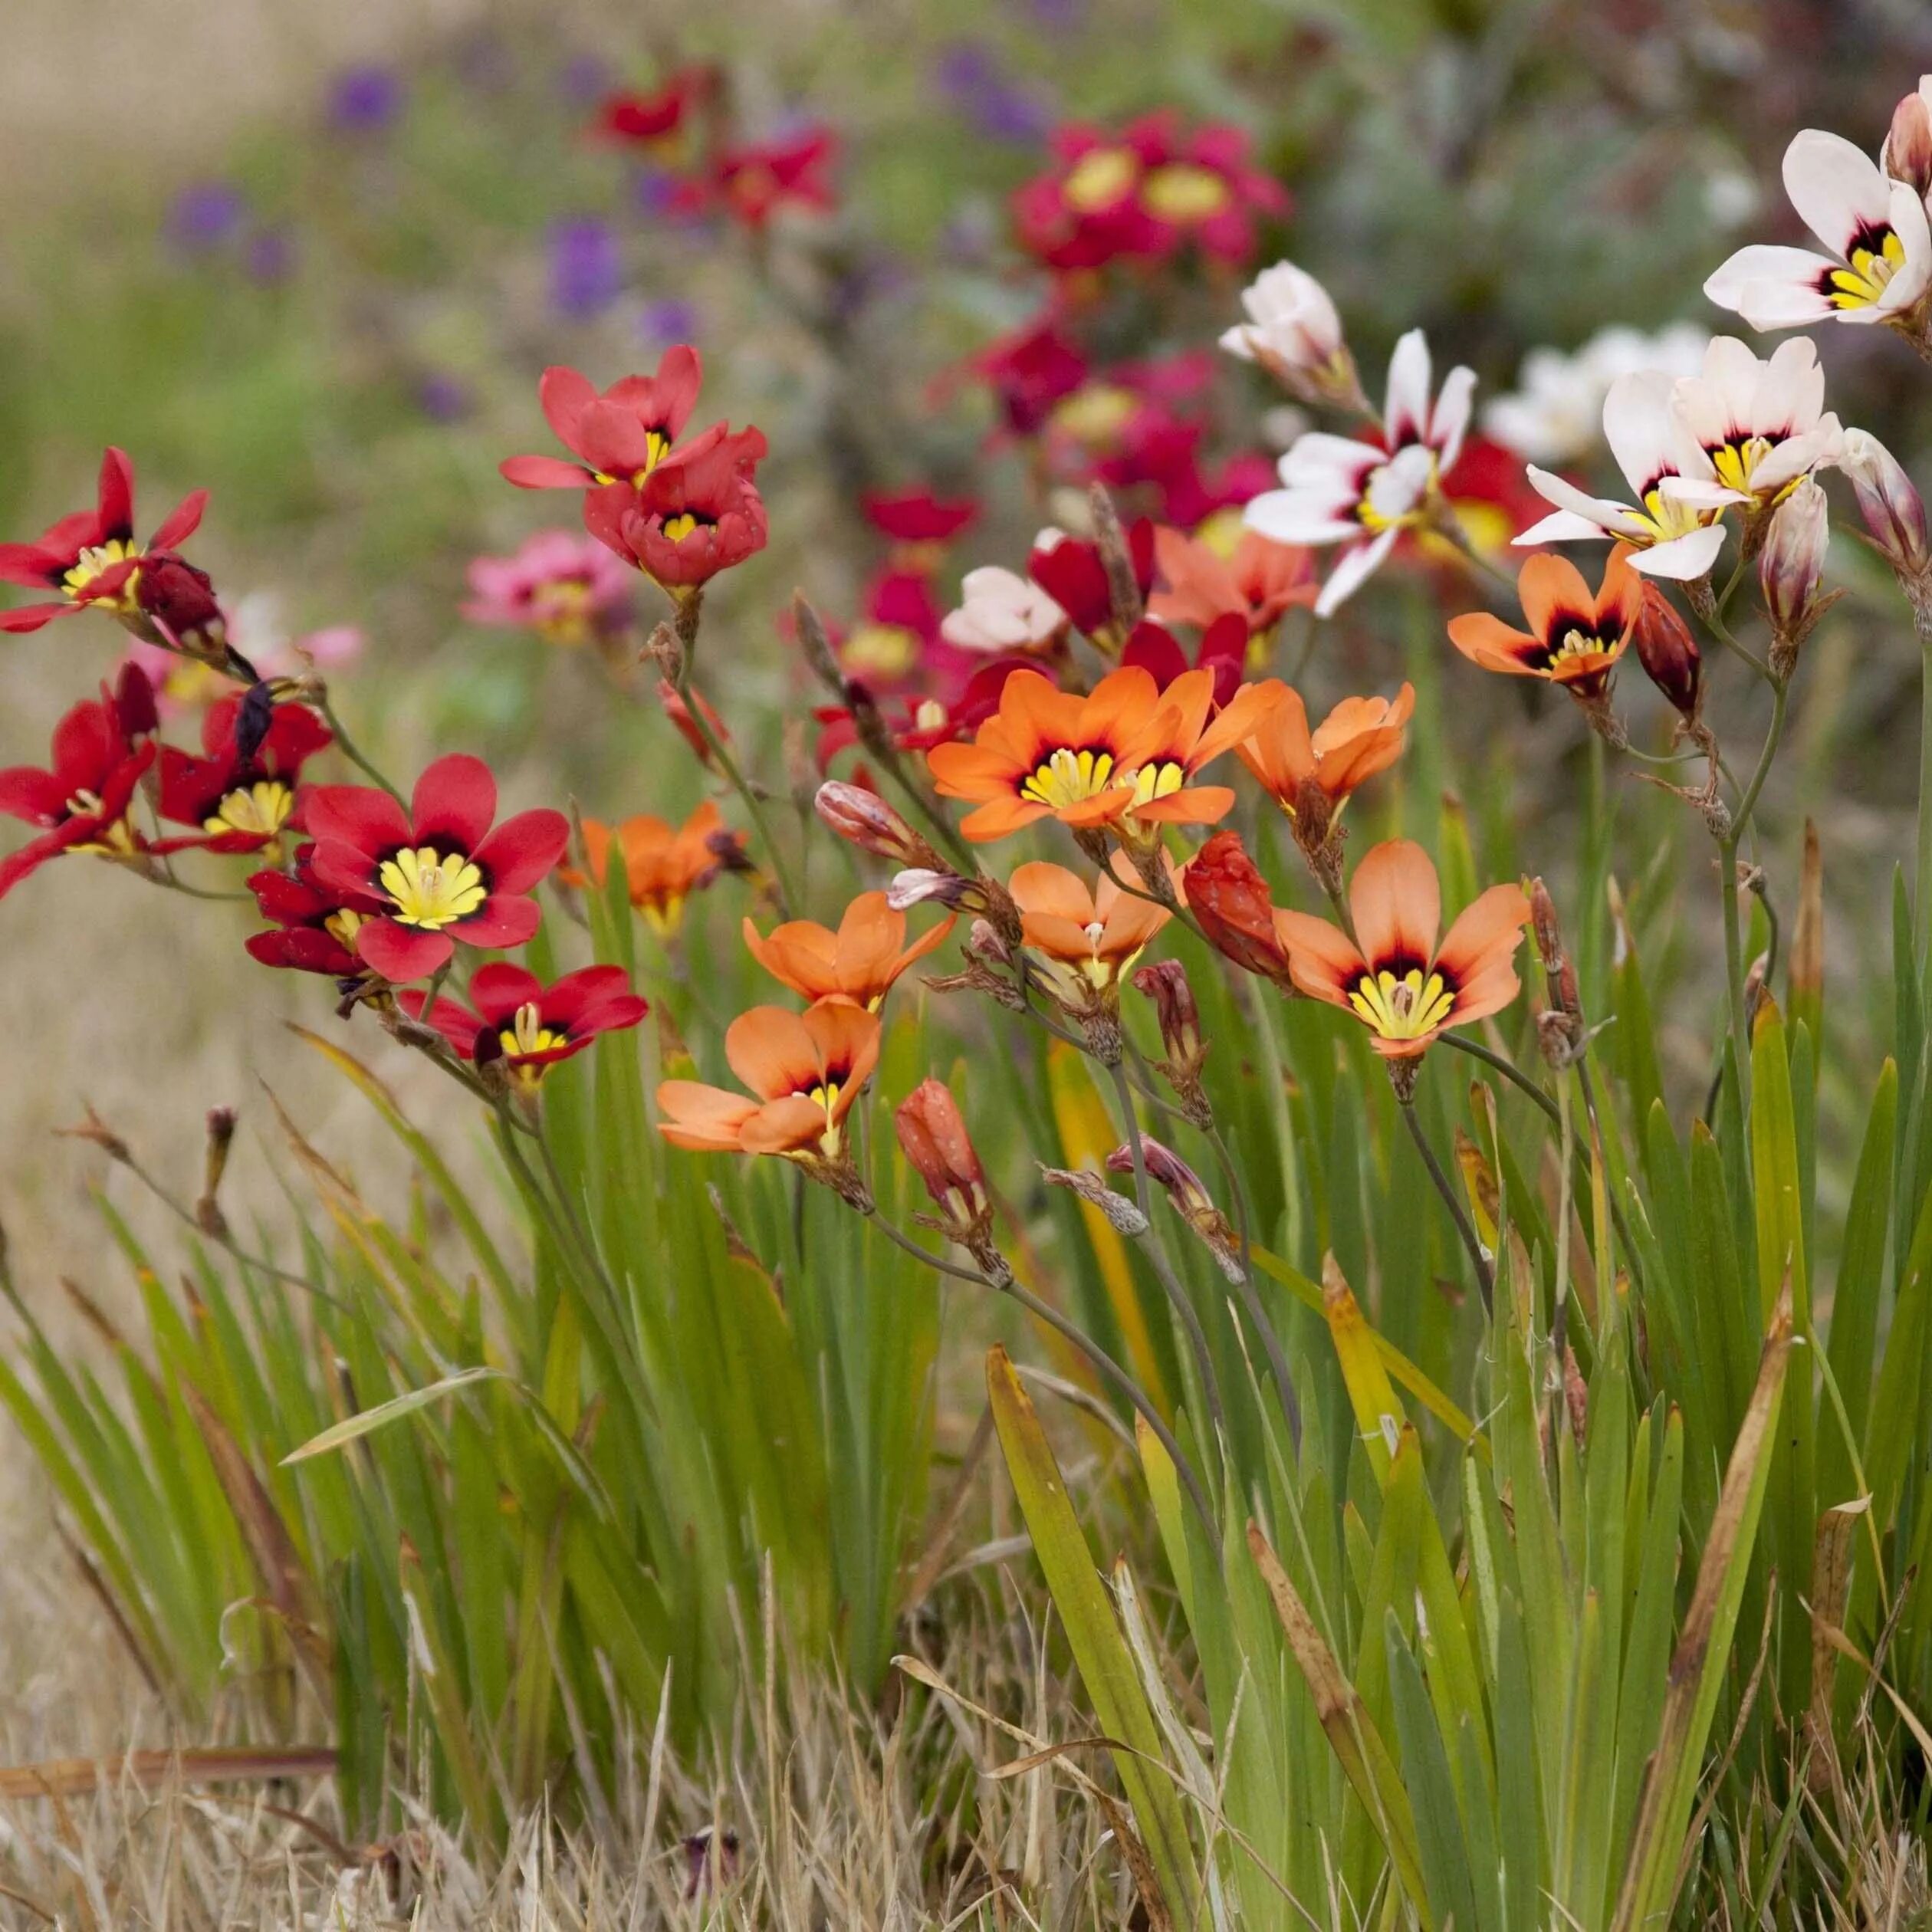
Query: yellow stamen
x=678, y=527
x=1101, y=177
x=1184, y=191
x=1069, y=777
x=1862, y=284
x=262, y=808
x=1405, y=1008
x=886, y=650
x=102, y=557
x=430, y=890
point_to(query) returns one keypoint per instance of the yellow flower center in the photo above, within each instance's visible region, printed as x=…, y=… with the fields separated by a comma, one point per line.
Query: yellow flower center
x=115, y=841
x=930, y=715
x=663, y=912
x=562, y=609
x=1096, y=413
x=1875, y=257
x=1154, y=781
x=1099, y=179
x=680, y=527
x=1404, y=1008
x=1221, y=532
x=657, y=446
x=429, y=890
x=342, y=925
x=526, y=1035
x=887, y=650
x=1665, y=517
x=1069, y=777
x=102, y=557
x=1184, y=191
x=261, y=808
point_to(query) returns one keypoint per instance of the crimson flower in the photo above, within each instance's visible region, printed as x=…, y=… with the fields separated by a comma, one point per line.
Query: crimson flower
x=1069, y=570
x=91, y=558
x=653, y=122
x=919, y=518
x=82, y=801
x=241, y=793
x=436, y=873
x=692, y=516
x=526, y=1025
x=621, y=433
x=920, y=723
x=314, y=928
x=755, y=180
x=1223, y=650
x=1030, y=370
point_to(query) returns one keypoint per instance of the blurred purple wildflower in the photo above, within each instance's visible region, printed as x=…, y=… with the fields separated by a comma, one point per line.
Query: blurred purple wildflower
x=443, y=398
x=969, y=75
x=363, y=99
x=670, y=321
x=586, y=267
x=206, y=216
x=269, y=256
x=584, y=81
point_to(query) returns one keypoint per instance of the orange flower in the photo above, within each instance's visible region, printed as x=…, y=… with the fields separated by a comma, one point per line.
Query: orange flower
x=1310, y=775
x=1124, y=755
x=664, y=865
x=806, y=1069
x=1089, y=940
x=858, y=962
x=1392, y=975
x=1258, y=580
x=1574, y=639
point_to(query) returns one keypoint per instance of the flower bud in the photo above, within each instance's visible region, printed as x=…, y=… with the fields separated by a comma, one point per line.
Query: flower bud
x=861, y=817
x=1165, y=983
x=1893, y=510
x=1229, y=898
x=933, y=1137
x=1668, y=653
x=178, y=601
x=1190, y=1199
x=1560, y=1028
x=221, y=1136
x=1791, y=569
x=1122, y=1216
x=1906, y=156
x=816, y=647
x=1293, y=331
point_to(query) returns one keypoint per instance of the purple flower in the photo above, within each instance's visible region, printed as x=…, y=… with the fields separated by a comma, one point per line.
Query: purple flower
x=362, y=99
x=443, y=398
x=671, y=321
x=269, y=256
x=206, y=216
x=585, y=80
x=969, y=75
x=586, y=267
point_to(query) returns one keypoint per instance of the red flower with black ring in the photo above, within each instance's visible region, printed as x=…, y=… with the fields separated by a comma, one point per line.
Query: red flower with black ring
x=241, y=800
x=436, y=873
x=526, y=1025
x=696, y=514
x=314, y=929
x=91, y=558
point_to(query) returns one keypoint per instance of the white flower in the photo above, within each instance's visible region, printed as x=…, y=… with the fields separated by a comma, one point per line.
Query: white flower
x=1000, y=610
x=1336, y=490
x=1675, y=519
x=1553, y=416
x=1293, y=331
x=1763, y=424
x=1881, y=259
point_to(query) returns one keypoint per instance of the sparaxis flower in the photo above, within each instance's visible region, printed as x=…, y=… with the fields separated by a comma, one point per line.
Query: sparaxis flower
x=858, y=963
x=514, y=1020
x=1574, y=635
x=663, y=864
x=242, y=793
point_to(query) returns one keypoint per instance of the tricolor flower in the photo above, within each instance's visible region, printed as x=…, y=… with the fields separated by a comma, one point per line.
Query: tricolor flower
x=1363, y=495
x=91, y=558
x=567, y=588
x=1311, y=774
x=436, y=873
x=1763, y=424
x=1574, y=636
x=514, y=1019
x=1258, y=579
x=82, y=802
x=1879, y=265
x=312, y=928
x=1293, y=331
x=1393, y=976
x=1124, y=757
x=858, y=963
x=1675, y=524
x=241, y=793
x=1000, y=611
x=1084, y=942
x=663, y=864
x=804, y=1069
x=691, y=517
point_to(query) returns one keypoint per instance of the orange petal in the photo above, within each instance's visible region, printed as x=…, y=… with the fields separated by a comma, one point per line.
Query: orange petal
x=770, y=1050
x=1396, y=904
x=1322, y=960
x=1551, y=589
x=1052, y=893
x=1489, y=928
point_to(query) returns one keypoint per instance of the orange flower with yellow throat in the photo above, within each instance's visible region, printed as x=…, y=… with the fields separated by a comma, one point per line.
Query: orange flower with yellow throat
x=803, y=1069
x=1309, y=774
x=663, y=864
x=1084, y=941
x=1124, y=757
x=858, y=963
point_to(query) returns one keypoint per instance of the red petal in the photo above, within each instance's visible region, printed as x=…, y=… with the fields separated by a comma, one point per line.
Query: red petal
x=400, y=953
x=181, y=522
x=359, y=816
x=454, y=802
x=578, y=997
x=30, y=858
x=544, y=473
x=344, y=868
x=114, y=497
x=499, y=988
x=523, y=850
x=33, y=565
x=563, y=395
x=500, y=921
x=30, y=617
x=32, y=795
x=86, y=744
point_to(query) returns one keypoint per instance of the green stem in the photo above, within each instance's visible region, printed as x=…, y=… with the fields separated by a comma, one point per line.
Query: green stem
x=349, y=750
x=1922, y=901
x=1477, y=1259
x=694, y=707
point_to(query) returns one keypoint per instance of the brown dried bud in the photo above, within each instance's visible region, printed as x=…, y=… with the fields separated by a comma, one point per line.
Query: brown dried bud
x=664, y=650
x=1123, y=1215
x=861, y=817
x=1560, y=1030
x=816, y=647
x=1189, y=1198
x=96, y=1130
x=1669, y=653
x=1229, y=898
x=1165, y=983
x=220, y=1137
x=1123, y=584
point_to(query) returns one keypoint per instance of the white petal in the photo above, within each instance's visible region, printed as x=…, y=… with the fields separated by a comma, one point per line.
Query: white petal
x=1699, y=493
x=1294, y=517
x=1330, y=460
x=1449, y=422
x=1401, y=483
x=1239, y=341
x=1640, y=428
x=1771, y=288
x=1405, y=416
x=1615, y=518
x=1352, y=570
x=1907, y=216
x=1562, y=527
x=1791, y=392
x=1816, y=448
x=1683, y=558
x=1837, y=188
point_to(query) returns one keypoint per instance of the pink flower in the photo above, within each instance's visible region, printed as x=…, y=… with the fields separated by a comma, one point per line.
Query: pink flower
x=566, y=587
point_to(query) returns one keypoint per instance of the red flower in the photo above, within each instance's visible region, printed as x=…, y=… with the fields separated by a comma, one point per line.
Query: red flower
x=314, y=929
x=437, y=873
x=81, y=802
x=755, y=180
x=1069, y=570
x=653, y=122
x=1030, y=371
x=529, y=1026
x=692, y=516
x=1223, y=650
x=91, y=557
x=622, y=433
x=241, y=796
x=919, y=725
x=918, y=516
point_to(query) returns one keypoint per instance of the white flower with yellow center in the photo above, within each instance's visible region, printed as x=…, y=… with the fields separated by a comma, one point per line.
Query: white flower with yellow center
x=1880, y=264
x=1763, y=424
x=1554, y=414
x=429, y=888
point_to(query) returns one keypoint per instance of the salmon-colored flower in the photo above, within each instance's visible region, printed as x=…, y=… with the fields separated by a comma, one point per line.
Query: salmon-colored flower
x=858, y=962
x=1393, y=975
x=1258, y=580
x=663, y=864
x=1125, y=756
x=1575, y=638
x=1309, y=774
x=805, y=1070
x=1086, y=939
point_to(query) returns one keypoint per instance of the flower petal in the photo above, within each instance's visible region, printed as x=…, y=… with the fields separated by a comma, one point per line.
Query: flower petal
x=1396, y=903
x=523, y=850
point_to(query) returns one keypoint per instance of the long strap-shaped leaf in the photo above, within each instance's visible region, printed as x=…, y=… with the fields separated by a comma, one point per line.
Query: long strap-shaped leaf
x=1703, y=1653
x=1105, y=1664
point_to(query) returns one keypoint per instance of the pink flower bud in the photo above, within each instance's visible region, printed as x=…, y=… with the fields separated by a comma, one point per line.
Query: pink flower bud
x=1668, y=653
x=1792, y=567
x=933, y=1137
x=863, y=818
x=1893, y=510
x=1907, y=152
